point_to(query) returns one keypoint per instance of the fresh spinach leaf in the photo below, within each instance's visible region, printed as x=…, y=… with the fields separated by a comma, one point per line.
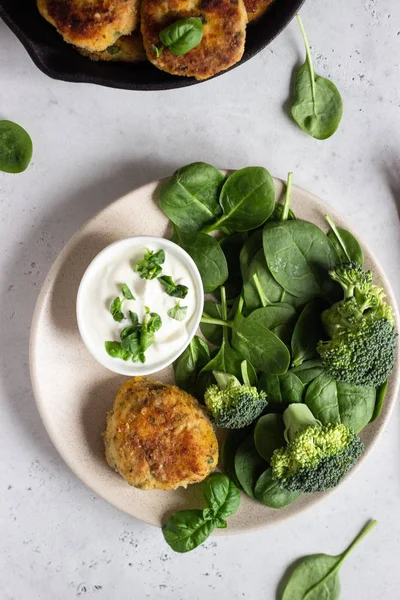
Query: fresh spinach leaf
x=268, y=492
x=190, y=197
x=250, y=248
x=299, y=256
x=115, y=310
x=232, y=246
x=345, y=244
x=187, y=529
x=282, y=389
x=268, y=435
x=380, y=397
x=248, y=465
x=150, y=266
x=316, y=104
x=178, y=312
x=308, y=370
x=116, y=350
x=15, y=148
x=228, y=451
x=253, y=338
x=126, y=292
x=208, y=256
x=333, y=401
x=134, y=318
x=190, y=362
x=221, y=495
x=211, y=331
x=183, y=35
x=317, y=576
x=173, y=289
x=247, y=199
x=308, y=332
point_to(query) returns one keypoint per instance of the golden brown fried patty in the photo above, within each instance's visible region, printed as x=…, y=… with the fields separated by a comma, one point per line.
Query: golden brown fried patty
x=224, y=33
x=256, y=8
x=158, y=436
x=129, y=48
x=91, y=24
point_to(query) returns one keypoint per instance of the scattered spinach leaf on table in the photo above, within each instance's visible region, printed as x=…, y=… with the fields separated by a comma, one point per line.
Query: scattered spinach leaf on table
x=316, y=104
x=15, y=148
x=317, y=576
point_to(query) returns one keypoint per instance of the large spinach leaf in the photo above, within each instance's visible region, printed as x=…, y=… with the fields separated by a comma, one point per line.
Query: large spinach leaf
x=299, y=256
x=208, y=256
x=316, y=577
x=247, y=199
x=333, y=401
x=253, y=337
x=316, y=103
x=190, y=197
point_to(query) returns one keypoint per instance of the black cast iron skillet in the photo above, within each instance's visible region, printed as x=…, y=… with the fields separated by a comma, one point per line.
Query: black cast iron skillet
x=60, y=61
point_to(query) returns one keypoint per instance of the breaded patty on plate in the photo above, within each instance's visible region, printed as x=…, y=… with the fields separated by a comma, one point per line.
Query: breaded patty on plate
x=91, y=24
x=159, y=437
x=256, y=8
x=128, y=48
x=224, y=33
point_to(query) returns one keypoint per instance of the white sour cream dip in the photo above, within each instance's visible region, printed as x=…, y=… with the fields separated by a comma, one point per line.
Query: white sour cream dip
x=102, y=282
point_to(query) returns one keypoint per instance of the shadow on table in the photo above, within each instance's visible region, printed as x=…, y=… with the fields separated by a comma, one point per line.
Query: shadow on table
x=28, y=263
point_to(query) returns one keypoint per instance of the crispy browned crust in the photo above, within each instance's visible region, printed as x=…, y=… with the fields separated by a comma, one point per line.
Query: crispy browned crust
x=256, y=8
x=158, y=436
x=91, y=25
x=128, y=48
x=224, y=33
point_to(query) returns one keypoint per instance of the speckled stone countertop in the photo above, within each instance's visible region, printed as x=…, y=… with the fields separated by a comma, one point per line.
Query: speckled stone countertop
x=58, y=540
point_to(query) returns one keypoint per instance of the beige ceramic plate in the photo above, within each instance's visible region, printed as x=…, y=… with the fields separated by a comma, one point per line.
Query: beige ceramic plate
x=74, y=393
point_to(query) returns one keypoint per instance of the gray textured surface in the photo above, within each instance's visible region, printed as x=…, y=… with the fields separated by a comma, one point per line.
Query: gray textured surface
x=92, y=145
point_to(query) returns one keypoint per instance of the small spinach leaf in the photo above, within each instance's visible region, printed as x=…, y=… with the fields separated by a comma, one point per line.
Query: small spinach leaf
x=333, y=401
x=317, y=576
x=308, y=332
x=116, y=350
x=380, y=397
x=268, y=492
x=308, y=370
x=150, y=266
x=316, y=103
x=190, y=362
x=221, y=495
x=187, y=529
x=190, y=197
x=178, y=312
x=228, y=451
x=250, y=248
x=268, y=435
x=15, y=148
x=115, y=310
x=212, y=332
x=247, y=199
x=208, y=256
x=183, y=35
x=126, y=292
x=345, y=244
x=232, y=246
x=173, y=289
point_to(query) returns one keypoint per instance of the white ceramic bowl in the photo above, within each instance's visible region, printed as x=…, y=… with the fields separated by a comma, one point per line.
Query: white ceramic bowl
x=95, y=271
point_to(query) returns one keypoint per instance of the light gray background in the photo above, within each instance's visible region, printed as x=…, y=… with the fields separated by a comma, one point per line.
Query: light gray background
x=58, y=540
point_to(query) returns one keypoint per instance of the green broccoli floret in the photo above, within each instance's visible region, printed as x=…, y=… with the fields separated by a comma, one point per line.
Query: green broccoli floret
x=361, y=327
x=232, y=405
x=317, y=456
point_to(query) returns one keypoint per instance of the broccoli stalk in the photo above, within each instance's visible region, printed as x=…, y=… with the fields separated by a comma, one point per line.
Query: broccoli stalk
x=232, y=405
x=361, y=327
x=317, y=456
